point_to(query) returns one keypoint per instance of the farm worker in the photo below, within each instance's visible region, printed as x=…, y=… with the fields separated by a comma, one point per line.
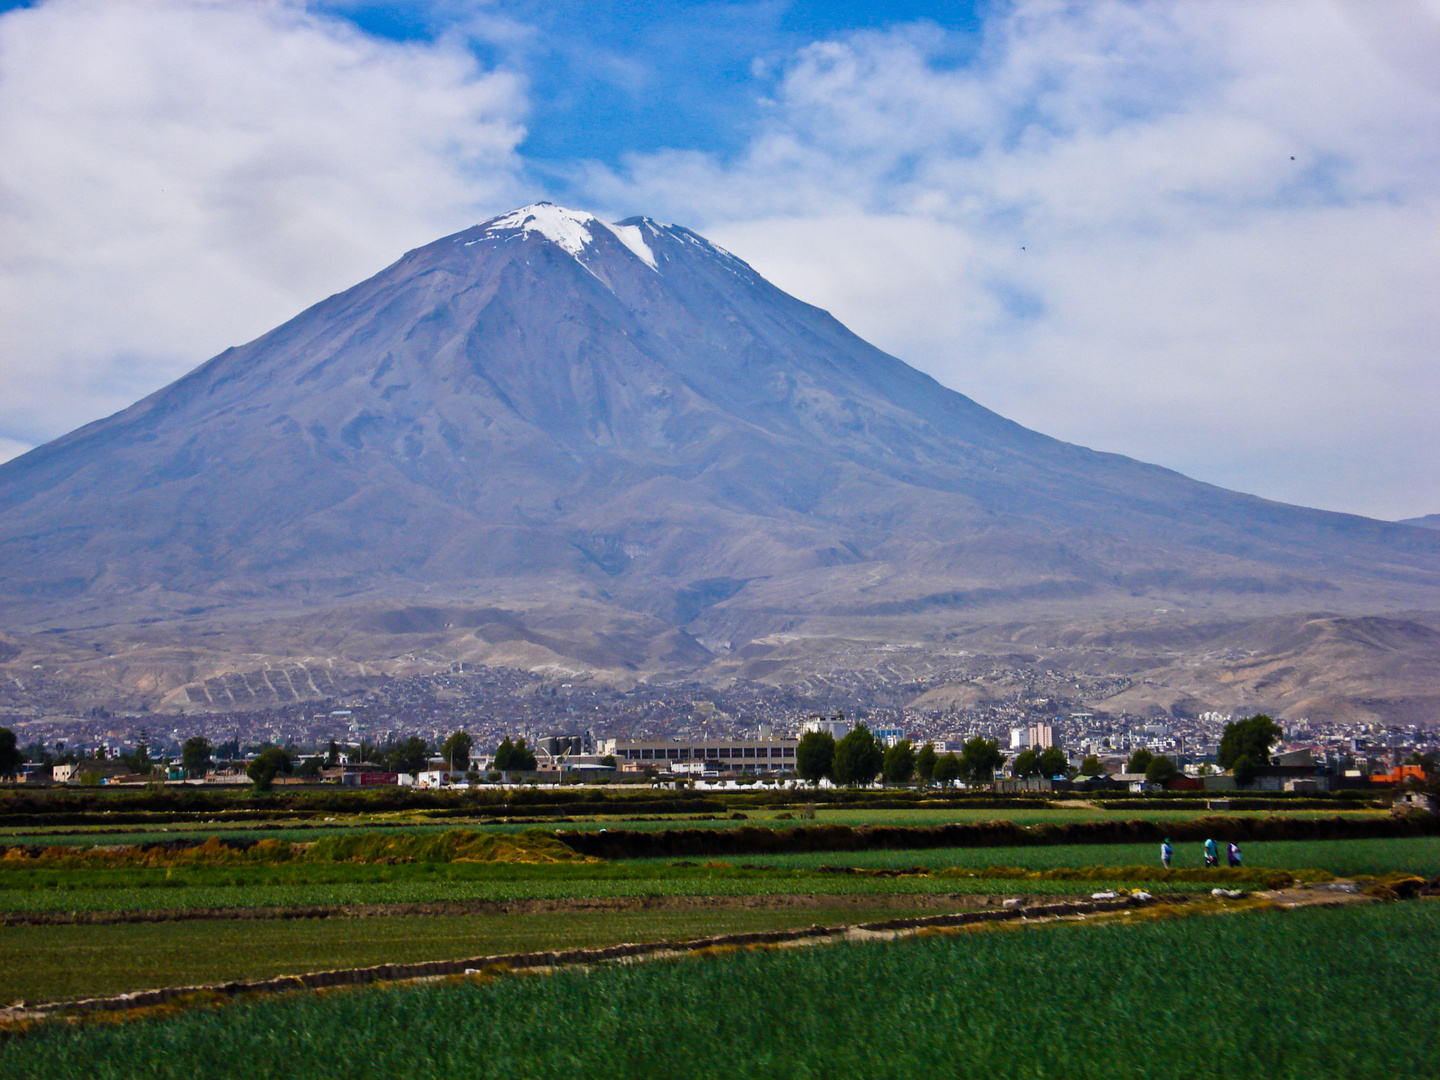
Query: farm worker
x=1166, y=853
x=1232, y=853
x=1212, y=853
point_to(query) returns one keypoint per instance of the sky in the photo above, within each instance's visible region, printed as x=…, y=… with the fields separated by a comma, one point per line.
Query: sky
x=1201, y=233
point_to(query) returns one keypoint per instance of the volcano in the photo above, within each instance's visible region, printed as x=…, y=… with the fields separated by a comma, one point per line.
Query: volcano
x=546, y=409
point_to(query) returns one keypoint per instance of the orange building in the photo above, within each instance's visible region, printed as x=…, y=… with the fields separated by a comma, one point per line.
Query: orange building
x=1398, y=774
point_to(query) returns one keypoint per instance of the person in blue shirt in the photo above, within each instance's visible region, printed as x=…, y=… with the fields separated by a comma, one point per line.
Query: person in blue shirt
x=1212, y=853
x=1166, y=853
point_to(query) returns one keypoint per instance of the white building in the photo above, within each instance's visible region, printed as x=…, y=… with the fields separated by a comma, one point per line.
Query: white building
x=718, y=754
x=833, y=724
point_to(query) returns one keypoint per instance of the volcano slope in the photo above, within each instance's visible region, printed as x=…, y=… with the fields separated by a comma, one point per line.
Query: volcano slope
x=547, y=436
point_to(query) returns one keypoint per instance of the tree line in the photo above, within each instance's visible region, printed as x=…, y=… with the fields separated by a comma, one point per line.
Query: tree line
x=857, y=758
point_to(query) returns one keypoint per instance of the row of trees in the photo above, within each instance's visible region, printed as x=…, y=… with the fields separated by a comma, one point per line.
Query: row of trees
x=858, y=757
x=408, y=755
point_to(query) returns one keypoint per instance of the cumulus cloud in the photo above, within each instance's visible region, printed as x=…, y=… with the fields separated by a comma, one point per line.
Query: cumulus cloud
x=1200, y=234
x=178, y=176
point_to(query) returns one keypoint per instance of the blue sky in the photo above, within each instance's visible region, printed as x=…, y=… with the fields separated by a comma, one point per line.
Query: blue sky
x=1201, y=234
x=611, y=78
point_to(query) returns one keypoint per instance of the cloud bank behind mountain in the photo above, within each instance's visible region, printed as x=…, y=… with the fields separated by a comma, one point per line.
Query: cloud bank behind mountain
x=1087, y=217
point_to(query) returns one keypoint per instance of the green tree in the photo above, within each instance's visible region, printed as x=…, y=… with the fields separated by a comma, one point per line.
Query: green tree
x=898, y=763
x=1139, y=761
x=1052, y=762
x=268, y=765
x=310, y=767
x=979, y=758
x=925, y=762
x=1091, y=766
x=195, y=755
x=1026, y=764
x=514, y=757
x=138, y=760
x=1245, y=746
x=36, y=752
x=456, y=750
x=947, y=769
x=408, y=755
x=10, y=757
x=1161, y=770
x=858, y=757
x=815, y=757
x=609, y=761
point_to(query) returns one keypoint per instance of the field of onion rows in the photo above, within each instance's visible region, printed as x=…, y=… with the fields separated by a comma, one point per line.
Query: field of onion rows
x=1346, y=992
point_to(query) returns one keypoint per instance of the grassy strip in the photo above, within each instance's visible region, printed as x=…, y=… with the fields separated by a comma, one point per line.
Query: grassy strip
x=700, y=843
x=506, y=891
x=309, y=883
x=1343, y=858
x=304, y=831
x=1156, y=1000
x=46, y=963
x=178, y=806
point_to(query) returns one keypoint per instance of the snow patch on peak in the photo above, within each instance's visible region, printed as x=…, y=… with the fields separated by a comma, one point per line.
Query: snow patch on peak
x=570, y=229
x=634, y=238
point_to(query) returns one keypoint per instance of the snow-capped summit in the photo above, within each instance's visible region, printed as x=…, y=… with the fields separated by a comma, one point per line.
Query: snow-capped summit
x=572, y=230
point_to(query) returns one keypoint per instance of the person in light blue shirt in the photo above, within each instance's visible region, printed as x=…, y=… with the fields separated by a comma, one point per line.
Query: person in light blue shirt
x=1166, y=853
x=1212, y=853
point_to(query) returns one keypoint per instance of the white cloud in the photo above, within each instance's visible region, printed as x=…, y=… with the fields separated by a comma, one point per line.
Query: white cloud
x=10, y=448
x=1187, y=292
x=181, y=175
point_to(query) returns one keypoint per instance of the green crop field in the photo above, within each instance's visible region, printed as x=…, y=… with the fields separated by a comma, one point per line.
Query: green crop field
x=1058, y=815
x=47, y=963
x=502, y=888
x=297, y=883
x=1418, y=855
x=419, y=822
x=1313, y=993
